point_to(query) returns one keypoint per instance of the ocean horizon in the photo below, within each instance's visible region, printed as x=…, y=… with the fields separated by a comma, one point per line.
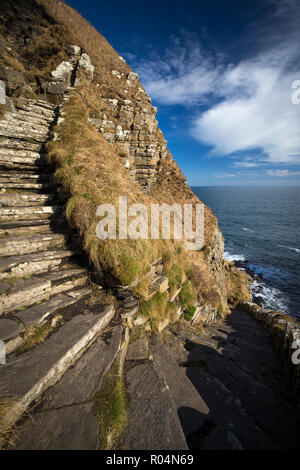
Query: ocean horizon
x=261, y=226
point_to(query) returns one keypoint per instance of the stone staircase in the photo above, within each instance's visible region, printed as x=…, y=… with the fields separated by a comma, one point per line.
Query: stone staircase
x=44, y=284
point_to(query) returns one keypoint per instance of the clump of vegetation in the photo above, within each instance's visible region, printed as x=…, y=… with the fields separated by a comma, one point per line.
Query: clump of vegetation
x=110, y=408
x=34, y=336
x=158, y=308
x=186, y=296
x=175, y=267
x=237, y=285
x=10, y=410
x=189, y=312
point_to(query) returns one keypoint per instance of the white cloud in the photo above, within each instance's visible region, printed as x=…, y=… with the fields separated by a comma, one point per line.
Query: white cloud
x=246, y=164
x=256, y=112
x=249, y=104
x=184, y=74
x=282, y=173
x=224, y=175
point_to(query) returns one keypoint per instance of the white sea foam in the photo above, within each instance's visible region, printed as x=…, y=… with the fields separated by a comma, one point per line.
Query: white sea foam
x=272, y=298
x=290, y=248
x=229, y=257
x=247, y=229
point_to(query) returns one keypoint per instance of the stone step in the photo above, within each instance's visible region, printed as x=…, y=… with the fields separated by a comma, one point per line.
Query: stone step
x=19, y=155
x=31, y=116
x=68, y=405
x=18, y=160
x=24, y=292
x=40, y=313
x=39, y=106
x=34, y=263
x=152, y=420
x=25, y=186
x=32, y=227
x=19, y=144
x=30, y=244
x=191, y=408
x=29, y=212
x=12, y=328
x=24, y=177
x=17, y=133
x=10, y=200
x=26, y=379
x=29, y=124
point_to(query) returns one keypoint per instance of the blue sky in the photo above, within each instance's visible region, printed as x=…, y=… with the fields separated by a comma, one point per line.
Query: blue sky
x=221, y=74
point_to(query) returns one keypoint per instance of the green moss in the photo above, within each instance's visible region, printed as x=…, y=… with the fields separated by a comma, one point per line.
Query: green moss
x=126, y=270
x=189, y=313
x=157, y=308
x=34, y=336
x=110, y=408
x=186, y=296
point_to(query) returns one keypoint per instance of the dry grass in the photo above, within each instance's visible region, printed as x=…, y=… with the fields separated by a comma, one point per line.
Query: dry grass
x=237, y=285
x=110, y=409
x=157, y=309
x=10, y=411
x=34, y=336
x=92, y=174
x=90, y=168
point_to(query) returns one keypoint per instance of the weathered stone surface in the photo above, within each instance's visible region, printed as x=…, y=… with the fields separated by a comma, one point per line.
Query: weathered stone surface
x=19, y=199
x=233, y=367
x=23, y=293
x=55, y=87
x=153, y=423
x=2, y=92
x=70, y=428
x=40, y=368
x=191, y=408
x=85, y=70
x=138, y=350
x=39, y=313
x=28, y=213
x=22, y=245
x=33, y=263
x=13, y=79
x=81, y=382
x=9, y=328
x=63, y=71
x=221, y=438
x=73, y=50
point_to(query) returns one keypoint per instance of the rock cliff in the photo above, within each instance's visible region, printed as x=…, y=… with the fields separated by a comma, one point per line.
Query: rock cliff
x=95, y=322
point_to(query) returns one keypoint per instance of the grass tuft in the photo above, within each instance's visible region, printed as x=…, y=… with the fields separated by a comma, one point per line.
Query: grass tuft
x=110, y=409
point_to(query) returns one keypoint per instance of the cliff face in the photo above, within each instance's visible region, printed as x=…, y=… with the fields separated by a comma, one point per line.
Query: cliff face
x=38, y=62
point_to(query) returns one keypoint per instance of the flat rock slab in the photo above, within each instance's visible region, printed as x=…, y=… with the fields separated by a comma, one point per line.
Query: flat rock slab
x=35, y=371
x=138, y=350
x=9, y=328
x=70, y=428
x=191, y=408
x=153, y=423
x=39, y=313
x=81, y=382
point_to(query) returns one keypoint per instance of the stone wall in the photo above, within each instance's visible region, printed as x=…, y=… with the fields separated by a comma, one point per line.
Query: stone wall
x=285, y=334
x=133, y=125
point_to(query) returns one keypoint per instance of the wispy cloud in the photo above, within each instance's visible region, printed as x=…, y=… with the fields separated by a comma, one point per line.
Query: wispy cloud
x=184, y=74
x=248, y=104
x=224, y=175
x=246, y=164
x=282, y=173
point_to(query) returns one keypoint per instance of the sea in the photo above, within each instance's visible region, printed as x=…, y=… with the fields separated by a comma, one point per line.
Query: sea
x=261, y=228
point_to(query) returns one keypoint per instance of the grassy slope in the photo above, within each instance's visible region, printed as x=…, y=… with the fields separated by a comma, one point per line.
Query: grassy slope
x=90, y=168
